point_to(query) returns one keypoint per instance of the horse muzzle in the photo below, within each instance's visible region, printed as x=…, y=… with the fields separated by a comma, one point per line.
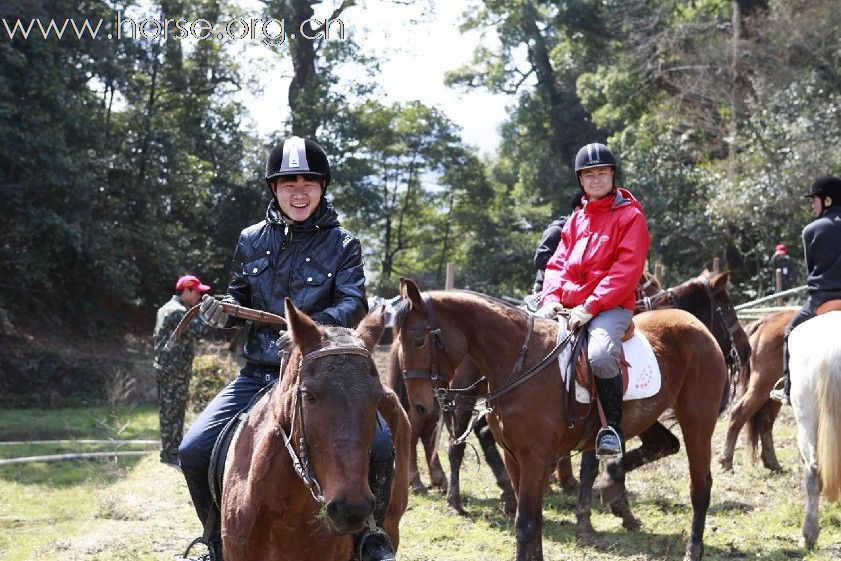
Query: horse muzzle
x=347, y=517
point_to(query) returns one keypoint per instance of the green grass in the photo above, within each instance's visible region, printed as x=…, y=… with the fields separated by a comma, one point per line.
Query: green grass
x=95, y=422
x=138, y=509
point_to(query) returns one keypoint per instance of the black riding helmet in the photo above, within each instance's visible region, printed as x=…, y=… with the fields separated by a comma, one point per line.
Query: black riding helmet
x=826, y=186
x=595, y=155
x=297, y=156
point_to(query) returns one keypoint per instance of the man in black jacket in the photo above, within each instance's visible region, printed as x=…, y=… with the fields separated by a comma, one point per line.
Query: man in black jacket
x=549, y=242
x=298, y=251
x=822, y=248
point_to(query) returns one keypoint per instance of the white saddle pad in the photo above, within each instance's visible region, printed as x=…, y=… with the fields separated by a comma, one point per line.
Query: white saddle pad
x=643, y=370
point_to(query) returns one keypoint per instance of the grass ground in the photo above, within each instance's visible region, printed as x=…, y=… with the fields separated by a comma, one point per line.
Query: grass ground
x=138, y=509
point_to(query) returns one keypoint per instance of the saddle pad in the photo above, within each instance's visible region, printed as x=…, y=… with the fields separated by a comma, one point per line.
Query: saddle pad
x=643, y=370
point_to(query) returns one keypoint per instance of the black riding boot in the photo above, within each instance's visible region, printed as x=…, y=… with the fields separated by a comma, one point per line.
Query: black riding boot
x=373, y=544
x=203, y=502
x=610, y=441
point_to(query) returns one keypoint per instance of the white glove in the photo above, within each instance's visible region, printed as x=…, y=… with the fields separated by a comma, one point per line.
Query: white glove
x=549, y=310
x=211, y=312
x=579, y=316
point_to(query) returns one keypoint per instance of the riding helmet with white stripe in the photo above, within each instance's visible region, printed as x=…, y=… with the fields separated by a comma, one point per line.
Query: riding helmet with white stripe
x=297, y=156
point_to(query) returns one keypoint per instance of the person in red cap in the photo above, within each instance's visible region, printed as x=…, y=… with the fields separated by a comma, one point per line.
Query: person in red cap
x=780, y=260
x=174, y=368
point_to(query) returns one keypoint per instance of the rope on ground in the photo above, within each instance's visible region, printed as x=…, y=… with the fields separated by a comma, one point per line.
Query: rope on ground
x=62, y=457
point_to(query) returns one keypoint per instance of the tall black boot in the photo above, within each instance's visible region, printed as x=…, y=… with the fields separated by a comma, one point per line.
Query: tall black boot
x=610, y=441
x=207, y=512
x=372, y=543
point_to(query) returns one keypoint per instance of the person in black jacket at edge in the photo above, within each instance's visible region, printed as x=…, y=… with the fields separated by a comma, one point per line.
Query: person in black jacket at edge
x=300, y=251
x=546, y=249
x=822, y=249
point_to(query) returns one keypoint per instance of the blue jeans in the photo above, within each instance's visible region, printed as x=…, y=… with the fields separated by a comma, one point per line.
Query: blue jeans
x=197, y=444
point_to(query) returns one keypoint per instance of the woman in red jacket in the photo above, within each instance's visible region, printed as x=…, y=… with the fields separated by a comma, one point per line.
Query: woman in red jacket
x=595, y=271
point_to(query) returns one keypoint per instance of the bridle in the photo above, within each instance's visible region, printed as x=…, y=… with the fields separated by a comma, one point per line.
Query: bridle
x=300, y=460
x=447, y=396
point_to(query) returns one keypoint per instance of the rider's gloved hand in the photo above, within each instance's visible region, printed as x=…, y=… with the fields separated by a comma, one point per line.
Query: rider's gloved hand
x=549, y=310
x=211, y=312
x=579, y=316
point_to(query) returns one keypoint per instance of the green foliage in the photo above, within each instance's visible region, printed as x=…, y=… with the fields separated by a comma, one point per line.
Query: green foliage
x=211, y=373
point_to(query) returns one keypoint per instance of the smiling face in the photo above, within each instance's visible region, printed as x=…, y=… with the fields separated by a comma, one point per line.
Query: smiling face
x=597, y=182
x=298, y=195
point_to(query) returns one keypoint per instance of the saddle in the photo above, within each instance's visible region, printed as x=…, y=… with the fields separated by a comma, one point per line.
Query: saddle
x=582, y=369
x=829, y=306
x=216, y=472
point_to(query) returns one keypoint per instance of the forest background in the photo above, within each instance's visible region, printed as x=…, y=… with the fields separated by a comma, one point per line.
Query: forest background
x=125, y=163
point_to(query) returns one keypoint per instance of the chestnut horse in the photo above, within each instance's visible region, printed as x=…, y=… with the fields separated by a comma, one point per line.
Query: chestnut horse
x=296, y=477
x=815, y=362
x=754, y=406
x=437, y=330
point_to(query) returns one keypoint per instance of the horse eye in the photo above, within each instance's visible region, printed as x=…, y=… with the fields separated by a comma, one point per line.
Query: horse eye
x=420, y=341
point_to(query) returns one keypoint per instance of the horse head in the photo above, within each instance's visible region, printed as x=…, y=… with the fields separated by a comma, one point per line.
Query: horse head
x=427, y=356
x=327, y=405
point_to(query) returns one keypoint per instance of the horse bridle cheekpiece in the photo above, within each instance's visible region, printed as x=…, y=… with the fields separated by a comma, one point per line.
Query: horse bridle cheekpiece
x=300, y=460
x=432, y=335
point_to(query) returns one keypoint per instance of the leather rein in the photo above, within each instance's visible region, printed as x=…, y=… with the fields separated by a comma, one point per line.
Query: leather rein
x=447, y=396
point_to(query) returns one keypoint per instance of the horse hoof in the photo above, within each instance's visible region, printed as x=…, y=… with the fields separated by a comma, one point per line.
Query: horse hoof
x=457, y=509
x=631, y=523
x=418, y=488
x=585, y=532
x=726, y=465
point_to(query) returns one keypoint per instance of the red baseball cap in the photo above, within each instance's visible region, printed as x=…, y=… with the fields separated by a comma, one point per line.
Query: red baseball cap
x=781, y=248
x=189, y=281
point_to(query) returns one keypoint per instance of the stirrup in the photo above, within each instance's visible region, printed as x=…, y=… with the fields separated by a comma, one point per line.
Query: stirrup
x=209, y=556
x=779, y=392
x=605, y=440
x=371, y=530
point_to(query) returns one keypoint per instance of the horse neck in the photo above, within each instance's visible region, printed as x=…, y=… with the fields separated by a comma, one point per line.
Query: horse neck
x=692, y=297
x=494, y=335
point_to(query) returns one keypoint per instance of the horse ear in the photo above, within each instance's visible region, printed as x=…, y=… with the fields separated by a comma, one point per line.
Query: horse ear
x=304, y=331
x=719, y=282
x=410, y=290
x=371, y=328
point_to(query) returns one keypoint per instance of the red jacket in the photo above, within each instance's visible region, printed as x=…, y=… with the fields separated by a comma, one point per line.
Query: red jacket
x=601, y=256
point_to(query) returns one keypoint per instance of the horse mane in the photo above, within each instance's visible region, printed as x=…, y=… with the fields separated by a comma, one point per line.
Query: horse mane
x=402, y=307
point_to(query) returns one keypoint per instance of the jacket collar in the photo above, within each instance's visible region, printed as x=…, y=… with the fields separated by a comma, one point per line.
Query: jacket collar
x=621, y=197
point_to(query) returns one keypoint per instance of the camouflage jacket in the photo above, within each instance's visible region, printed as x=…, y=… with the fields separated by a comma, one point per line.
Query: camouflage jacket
x=181, y=355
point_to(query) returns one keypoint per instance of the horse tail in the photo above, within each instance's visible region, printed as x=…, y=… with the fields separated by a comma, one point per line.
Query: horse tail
x=829, y=422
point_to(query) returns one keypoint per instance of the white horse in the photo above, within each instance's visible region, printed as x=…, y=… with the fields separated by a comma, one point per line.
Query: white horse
x=815, y=364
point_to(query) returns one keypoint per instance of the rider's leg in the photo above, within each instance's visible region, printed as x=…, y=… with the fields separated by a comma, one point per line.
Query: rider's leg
x=782, y=394
x=197, y=445
x=373, y=544
x=603, y=351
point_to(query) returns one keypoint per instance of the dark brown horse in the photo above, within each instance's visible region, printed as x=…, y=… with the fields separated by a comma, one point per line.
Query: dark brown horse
x=426, y=429
x=296, y=478
x=436, y=333
x=754, y=406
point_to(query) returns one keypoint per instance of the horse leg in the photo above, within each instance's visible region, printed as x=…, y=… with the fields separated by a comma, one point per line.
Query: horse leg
x=766, y=416
x=455, y=453
x=697, y=436
x=742, y=411
x=494, y=461
x=415, y=481
x=811, y=526
x=589, y=467
x=657, y=442
x=528, y=525
x=564, y=476
x=429, y=437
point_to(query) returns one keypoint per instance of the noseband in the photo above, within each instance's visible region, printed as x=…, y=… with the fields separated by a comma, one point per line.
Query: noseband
x=300, y=460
